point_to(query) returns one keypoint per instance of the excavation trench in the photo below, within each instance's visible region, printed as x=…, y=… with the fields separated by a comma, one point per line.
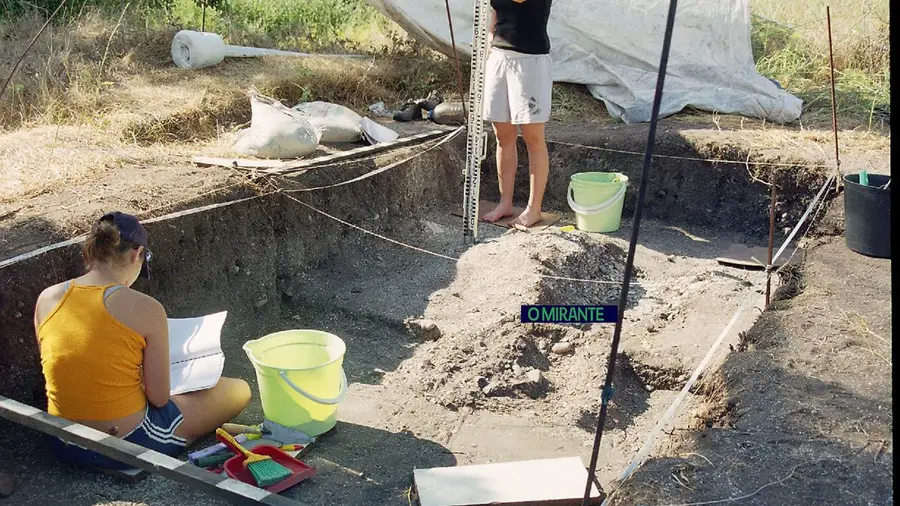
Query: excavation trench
x=487, y=389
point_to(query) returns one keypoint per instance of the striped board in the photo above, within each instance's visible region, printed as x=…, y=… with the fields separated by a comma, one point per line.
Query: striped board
x=282, y=166
x=234, y=491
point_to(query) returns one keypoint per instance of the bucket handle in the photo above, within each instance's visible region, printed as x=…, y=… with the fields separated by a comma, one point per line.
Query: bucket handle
x=595, y=209
x=304, y=393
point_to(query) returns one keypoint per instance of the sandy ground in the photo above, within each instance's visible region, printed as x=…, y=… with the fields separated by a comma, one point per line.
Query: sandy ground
x=805, y=415
x=418, y=404
x=491, y=390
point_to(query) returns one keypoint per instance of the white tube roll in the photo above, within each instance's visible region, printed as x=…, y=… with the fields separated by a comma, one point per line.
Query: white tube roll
x=195, y=50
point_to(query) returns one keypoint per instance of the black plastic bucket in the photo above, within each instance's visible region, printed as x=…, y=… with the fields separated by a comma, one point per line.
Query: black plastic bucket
x=867, y=215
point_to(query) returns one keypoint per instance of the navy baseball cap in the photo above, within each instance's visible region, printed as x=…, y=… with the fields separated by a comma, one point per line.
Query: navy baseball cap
x=131, y=230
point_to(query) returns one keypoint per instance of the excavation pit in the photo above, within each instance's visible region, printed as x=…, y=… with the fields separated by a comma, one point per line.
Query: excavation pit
x=487, y=384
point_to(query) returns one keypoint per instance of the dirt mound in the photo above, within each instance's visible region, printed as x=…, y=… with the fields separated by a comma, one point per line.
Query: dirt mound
x=487, y=358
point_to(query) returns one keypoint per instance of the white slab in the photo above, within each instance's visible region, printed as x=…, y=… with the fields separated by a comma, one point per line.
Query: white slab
x=546, y=481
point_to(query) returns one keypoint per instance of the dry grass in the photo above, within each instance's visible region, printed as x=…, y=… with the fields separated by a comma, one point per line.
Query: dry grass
x=112, y=86
x=791, y=45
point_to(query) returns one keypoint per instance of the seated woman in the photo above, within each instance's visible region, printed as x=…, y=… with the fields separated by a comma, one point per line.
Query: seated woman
x=105, y=354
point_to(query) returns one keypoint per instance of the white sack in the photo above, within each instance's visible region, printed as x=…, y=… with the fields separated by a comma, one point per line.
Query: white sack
x=614, y=47
x=276, y=132
x=335, y=123
x=194, y=50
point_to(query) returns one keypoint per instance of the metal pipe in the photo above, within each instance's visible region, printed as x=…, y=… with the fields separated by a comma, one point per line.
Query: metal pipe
x=629, y=262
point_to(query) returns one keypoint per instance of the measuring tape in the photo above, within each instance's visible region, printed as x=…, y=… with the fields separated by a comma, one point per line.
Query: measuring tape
x=476, y=141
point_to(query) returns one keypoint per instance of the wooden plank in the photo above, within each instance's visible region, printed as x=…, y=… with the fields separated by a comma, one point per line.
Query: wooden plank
x=139, y=457
x=276, y=166
x=550, y=481
x=486, y=206
x=741, y=255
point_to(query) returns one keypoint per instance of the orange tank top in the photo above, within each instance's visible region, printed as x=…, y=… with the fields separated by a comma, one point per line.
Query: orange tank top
x=91, y=361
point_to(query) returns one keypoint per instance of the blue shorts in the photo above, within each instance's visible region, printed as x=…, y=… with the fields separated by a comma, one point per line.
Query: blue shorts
x=155, y=432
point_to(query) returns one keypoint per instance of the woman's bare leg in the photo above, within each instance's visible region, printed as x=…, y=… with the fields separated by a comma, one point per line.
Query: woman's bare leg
x=539, y=167
x=507, y=163
x=206, y=410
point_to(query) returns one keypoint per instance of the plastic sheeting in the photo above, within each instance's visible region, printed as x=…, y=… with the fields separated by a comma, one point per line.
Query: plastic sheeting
x=614, y=46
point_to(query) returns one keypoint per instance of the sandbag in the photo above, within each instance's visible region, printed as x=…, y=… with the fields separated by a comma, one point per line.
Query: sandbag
x=335, y=123
x=194, y=50
x=276, y=131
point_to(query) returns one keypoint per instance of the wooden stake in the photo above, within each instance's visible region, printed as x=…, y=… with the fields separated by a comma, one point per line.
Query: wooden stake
x=834, y=125
x=771, y=239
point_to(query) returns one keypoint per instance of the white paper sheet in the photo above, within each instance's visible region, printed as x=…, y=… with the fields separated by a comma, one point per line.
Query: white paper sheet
x=195, y=352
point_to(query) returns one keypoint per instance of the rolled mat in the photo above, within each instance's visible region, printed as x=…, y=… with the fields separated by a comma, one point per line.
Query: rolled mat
x=194, y=50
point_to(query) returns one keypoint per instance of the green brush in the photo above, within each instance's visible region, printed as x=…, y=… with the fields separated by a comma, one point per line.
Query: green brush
x=264, y=470
x=214, y=460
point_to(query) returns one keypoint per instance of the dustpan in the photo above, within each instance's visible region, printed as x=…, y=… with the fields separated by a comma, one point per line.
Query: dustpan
x=234, y=468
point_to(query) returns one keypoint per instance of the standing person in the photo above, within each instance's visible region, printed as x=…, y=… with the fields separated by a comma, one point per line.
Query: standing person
x=105, y=353
x=517, y=95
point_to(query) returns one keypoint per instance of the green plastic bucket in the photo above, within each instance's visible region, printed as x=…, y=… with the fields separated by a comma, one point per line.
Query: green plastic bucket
x=301, y=378
x=597, y=199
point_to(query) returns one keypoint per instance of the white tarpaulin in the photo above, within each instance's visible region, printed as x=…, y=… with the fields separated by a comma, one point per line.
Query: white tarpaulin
x=614, y=47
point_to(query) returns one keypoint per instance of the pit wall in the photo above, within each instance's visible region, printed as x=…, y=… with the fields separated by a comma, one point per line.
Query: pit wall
x=684, y=193
x=243, y=258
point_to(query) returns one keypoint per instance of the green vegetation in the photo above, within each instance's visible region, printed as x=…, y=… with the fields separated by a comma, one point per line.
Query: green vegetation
x=789, y=43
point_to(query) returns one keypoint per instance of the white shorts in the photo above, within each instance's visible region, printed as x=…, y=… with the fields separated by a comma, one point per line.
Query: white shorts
x=517, y=87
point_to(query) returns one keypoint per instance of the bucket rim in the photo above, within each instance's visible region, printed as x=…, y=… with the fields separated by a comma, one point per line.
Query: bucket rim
x=256, y=361
x=620, y=175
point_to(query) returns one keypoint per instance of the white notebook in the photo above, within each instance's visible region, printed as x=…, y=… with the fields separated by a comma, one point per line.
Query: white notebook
x=195, y=352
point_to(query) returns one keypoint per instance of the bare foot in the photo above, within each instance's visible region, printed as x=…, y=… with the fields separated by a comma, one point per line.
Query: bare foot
x=528, y=218
x=500, y=212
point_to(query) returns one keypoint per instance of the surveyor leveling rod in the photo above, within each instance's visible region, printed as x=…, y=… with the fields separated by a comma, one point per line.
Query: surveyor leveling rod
x=476, y=141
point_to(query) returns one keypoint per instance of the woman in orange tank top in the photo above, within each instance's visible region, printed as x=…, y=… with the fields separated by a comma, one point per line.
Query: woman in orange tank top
x=105, y=353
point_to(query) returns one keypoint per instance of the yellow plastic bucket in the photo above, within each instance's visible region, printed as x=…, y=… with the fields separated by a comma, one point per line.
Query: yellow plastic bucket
x=301, y=378
x=597, y=199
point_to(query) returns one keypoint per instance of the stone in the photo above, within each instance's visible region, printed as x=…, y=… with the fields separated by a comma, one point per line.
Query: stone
x=261, y=302
x=517, y=370
x=422, y=329
x=7, y=485
x=562, y=348
x=535, y=376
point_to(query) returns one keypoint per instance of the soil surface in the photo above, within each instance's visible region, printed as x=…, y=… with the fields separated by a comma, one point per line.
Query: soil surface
x=486, y=384
x=442, y=372
x=803, y=410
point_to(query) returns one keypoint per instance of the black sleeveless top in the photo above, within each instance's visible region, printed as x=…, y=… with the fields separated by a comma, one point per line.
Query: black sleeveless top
x=522, y=27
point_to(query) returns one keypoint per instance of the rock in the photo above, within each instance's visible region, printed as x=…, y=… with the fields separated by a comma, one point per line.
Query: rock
x=435, y=228
x=379, y=372
x=234, y=269
x=482, y=381
x=562, y=348
x=489, y=388
x=422, y=329
x=535, y=376
x=7, y=485
x=517, y=370
x=671, y=258
x=261, y=302
x=652, y=329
